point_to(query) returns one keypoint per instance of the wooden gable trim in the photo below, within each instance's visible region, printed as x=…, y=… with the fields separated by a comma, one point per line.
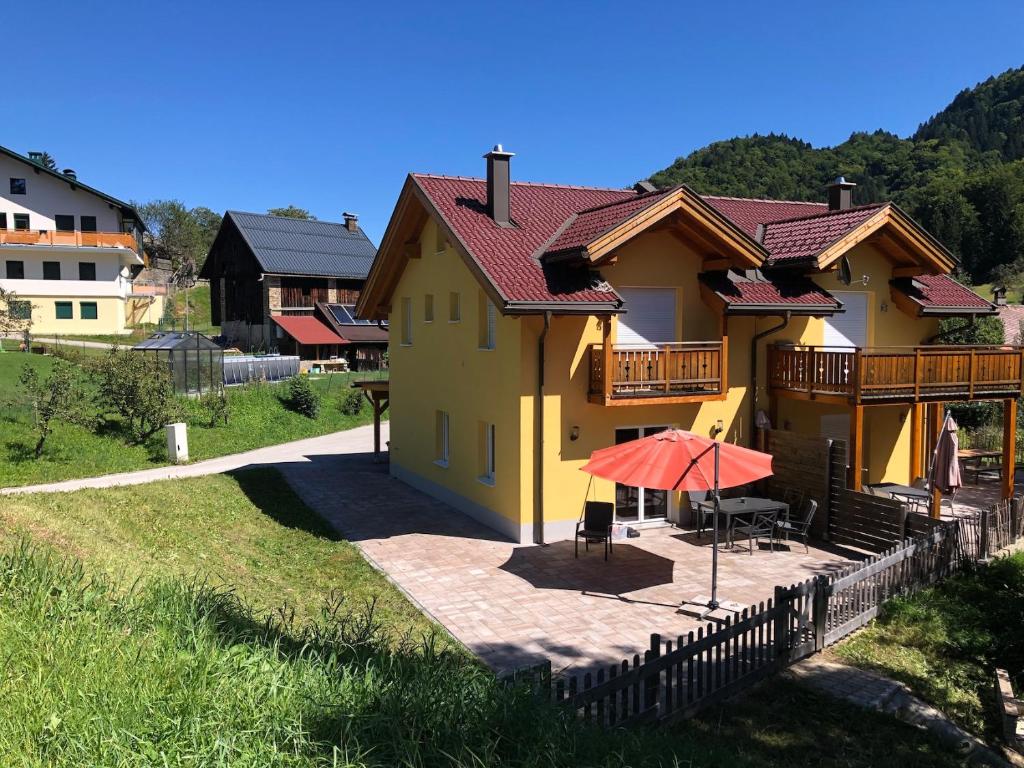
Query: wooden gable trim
x=401, y=243
x=696, y=210
x=930, y=255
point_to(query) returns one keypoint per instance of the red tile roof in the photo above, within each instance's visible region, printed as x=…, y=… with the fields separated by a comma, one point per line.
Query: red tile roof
x=507, y=254
x=805, y=237
x=307, y=329
x=938, y=292
x=748, y=213
x=769, y=290
x=1012, y=317
x=590, y=224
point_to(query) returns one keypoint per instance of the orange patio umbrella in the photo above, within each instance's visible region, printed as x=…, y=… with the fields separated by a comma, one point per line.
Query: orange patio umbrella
x=676, y=460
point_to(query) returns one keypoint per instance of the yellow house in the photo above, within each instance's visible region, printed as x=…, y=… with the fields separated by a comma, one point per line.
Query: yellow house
x=533, y=323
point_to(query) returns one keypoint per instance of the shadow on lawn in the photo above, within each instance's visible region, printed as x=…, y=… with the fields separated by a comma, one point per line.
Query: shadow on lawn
x=269, y=491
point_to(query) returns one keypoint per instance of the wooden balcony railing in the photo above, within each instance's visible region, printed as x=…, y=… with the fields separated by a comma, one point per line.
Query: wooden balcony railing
x=77, y=238
x=897, y=374
x=677, y=371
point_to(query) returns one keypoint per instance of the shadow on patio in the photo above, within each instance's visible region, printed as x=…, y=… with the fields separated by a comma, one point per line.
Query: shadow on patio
x=629, y=568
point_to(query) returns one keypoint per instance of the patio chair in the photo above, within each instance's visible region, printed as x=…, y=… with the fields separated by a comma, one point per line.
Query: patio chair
x=762, y=525
x=799, y=527
x=794, y=497
x=700, y=514
x=924, y=507
x=596, y=526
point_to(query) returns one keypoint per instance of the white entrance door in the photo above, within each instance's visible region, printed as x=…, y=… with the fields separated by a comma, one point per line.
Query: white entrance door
x=639, y=505
x=650, y=316
x=849, y=328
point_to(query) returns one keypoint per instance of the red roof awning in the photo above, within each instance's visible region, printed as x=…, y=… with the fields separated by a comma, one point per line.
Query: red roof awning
x=307, y=329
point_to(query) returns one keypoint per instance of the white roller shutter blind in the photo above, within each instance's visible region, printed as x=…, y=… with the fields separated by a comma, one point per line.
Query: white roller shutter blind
x=849, y=329
x=650, y=316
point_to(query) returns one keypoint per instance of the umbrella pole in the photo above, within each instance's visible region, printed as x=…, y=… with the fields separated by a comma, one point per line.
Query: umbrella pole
x=714, y=540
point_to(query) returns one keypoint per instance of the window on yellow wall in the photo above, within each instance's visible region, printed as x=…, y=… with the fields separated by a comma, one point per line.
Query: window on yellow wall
x=486, y=448
x=428, y=308
x=406, y=321
x=454, y=307
x=442, y=444
x=488, y=322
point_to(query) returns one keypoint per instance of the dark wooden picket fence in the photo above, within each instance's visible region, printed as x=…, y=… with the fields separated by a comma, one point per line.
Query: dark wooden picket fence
x=676, y=678
x=993, y=529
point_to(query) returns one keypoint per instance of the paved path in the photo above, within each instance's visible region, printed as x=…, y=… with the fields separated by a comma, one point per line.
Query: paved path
x=67, y=342
x=869, y=690
x=352, y=441
x=515, y=604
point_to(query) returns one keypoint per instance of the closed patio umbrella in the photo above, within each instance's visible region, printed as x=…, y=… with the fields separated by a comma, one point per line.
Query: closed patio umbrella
x=676, y=460
x=945, y=470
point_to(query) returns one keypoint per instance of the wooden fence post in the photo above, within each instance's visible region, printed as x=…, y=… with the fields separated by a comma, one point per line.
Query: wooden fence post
x=782, y=605
x=651, y=681
x=820, y=610
x=983, y=537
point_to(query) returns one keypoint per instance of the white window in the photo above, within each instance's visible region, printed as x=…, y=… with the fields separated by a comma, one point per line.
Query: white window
x=487, y=463
x=488, y=322
x=849, y=328
x=406, y=321
x=650, y=316
x=454, y=307
x=428, y=308
x=442, y=433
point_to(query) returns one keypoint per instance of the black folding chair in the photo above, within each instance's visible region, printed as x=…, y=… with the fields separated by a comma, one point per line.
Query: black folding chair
x=800, y=527
x=596, y=526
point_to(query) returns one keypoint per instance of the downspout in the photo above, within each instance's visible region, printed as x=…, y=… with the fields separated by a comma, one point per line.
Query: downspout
x=538, y=514
x=753, y=372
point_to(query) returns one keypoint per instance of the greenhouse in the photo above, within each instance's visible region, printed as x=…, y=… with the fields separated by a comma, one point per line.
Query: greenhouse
x=195, y=362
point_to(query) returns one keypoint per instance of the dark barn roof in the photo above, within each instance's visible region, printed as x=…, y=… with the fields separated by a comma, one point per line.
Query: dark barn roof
x=285, y=246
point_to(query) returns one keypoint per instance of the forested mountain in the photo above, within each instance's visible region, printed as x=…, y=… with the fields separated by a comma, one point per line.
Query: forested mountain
x=961, y=175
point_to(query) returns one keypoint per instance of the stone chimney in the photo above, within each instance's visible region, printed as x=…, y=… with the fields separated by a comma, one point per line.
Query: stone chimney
x=498, y=181
x=351, y=221
x=840, y=194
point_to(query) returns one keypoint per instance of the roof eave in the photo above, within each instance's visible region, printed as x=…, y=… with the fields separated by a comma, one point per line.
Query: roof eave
x=798, y=310
x=564, y=307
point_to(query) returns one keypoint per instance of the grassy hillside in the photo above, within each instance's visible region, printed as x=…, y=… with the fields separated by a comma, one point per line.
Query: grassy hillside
x=156, y=643
x=258, y=417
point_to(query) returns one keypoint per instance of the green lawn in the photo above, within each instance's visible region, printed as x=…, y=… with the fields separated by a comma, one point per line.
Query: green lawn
x=257, y=418
x=946, y=641
x=158, y=642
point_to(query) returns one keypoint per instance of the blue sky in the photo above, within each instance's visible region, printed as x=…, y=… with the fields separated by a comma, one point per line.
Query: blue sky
x=328, y=105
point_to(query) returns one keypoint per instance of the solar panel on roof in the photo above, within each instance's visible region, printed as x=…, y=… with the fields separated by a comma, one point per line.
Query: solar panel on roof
x=345, y=314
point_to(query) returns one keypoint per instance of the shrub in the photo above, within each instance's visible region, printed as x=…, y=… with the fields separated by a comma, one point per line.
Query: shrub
x=301, y=397
x=59, y=397
x=352, y=402
x=215, y=407
x=138, y=389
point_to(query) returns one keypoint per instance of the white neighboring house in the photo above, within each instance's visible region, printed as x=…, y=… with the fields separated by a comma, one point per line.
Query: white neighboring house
x=68, y=251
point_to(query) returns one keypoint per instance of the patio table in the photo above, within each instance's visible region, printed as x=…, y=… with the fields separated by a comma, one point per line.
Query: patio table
x=908, y=493
x=744, y=505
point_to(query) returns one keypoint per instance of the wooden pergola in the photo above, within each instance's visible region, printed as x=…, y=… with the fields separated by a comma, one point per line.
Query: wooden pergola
x=377, y=393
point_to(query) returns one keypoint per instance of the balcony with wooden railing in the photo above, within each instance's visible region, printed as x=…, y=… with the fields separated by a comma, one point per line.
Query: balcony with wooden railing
x=72, y=239
x=675, y=372
x=861, y=375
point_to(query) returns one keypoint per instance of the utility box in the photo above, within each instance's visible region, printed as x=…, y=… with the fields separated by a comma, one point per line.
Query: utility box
x=177, y=443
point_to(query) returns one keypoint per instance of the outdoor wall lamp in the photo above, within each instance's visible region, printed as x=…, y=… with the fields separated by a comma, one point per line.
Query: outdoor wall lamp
x=574, y=434
x=718, y=429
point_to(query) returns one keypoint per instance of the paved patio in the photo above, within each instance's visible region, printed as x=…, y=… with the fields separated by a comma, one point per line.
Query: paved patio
x=514, y=605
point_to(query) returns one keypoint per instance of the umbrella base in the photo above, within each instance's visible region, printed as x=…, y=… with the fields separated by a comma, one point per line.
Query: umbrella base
x=701, y=607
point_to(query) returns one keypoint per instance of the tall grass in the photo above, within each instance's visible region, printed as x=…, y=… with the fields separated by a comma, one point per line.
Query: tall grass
x=172, y=673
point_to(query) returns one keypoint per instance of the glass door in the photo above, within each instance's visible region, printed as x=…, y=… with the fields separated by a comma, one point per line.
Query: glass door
x=639, y=505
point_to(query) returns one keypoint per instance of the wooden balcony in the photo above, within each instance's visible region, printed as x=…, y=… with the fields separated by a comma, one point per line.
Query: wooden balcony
x=896, y=374
x=75, y=239
x=675, y=372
